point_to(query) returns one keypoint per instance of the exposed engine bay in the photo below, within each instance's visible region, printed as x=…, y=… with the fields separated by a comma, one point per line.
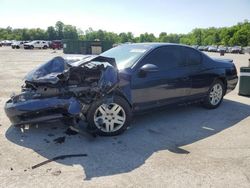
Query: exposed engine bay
x=59, y=77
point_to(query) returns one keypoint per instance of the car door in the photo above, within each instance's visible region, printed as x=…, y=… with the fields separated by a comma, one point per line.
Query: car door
x=168, y=84
x=37, y=44
x=194, y=64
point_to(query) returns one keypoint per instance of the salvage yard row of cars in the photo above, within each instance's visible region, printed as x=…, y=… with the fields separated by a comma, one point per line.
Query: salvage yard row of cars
x=40, y=44
x=57, y=44
x=224, y=49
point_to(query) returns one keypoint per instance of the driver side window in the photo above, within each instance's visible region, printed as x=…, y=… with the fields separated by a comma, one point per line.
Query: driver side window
x=165, y=58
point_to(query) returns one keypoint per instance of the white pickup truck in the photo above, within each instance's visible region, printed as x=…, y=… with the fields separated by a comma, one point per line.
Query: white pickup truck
x=41, y=44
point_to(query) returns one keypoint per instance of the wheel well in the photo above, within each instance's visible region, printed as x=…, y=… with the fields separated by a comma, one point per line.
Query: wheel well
x=224, y=81
x=120, y=94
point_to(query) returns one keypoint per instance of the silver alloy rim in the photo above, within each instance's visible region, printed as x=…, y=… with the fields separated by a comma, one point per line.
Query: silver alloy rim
x=109, y=117
x=215, y=95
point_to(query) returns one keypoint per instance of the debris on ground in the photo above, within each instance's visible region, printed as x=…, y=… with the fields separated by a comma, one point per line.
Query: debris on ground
x=56, y=173
x=178, y=150
x=59, y=140
x=61, y=157
x=49, y=169
x=70, y=132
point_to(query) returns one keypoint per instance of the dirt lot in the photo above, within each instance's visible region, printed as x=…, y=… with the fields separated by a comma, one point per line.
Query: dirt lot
x=181, y=147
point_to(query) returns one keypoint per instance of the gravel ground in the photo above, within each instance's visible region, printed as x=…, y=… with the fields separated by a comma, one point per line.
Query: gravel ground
x=181, y=147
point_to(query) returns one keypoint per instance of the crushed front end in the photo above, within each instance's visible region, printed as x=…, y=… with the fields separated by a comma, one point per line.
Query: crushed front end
x=62, y=89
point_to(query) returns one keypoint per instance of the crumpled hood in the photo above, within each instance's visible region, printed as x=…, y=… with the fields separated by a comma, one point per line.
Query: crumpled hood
x=50, y=72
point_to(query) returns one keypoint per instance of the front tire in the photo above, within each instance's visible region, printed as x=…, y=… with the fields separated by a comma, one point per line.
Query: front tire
x=109, y=119
x=215, y=95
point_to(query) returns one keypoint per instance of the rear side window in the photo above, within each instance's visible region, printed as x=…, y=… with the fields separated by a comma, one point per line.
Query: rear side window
x=192, y=56
x=167, y=57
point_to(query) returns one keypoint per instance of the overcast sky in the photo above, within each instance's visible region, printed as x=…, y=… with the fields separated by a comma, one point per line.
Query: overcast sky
x=137, y=16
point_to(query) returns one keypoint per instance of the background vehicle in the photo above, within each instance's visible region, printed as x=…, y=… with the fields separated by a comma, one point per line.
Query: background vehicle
x=222, y=49
x=195, y=46
x=6, y=42
x=18, y=44
x=37, y=44
x=56, y=44
x=147, y=76
x=236, y=50
x=247, y=49
x=212, y=49
x=201, y=48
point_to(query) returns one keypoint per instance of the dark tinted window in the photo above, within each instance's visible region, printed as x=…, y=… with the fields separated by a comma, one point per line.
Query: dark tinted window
x=165, y=58
x=193, y=57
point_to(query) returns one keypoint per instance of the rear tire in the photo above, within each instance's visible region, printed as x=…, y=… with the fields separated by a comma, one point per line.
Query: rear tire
x=215, y=95
x=109, y=119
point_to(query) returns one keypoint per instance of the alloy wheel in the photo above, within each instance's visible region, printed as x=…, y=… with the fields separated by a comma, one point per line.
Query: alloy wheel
x=109, y=117
x=216, y=93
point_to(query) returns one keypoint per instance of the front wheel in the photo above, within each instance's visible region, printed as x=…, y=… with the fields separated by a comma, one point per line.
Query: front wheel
x=215, y=95
x=109, y=119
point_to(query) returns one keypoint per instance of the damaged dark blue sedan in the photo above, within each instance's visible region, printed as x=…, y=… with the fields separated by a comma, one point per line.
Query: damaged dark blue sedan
x=105, y=90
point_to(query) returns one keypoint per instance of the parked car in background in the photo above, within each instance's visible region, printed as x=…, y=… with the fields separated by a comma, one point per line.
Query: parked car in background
x=237, y=50
x=212, y=49
x=41, y=44
x=222, y=49
x=246, y=49
x=195, y=46
x=206, y=48
x=106, y=90
x=56, y=44
x=201, y=48
x=18, y=44
x=6, y=42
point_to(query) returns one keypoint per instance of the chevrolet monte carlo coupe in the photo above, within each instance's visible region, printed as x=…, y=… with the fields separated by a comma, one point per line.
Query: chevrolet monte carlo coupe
x=106, y=90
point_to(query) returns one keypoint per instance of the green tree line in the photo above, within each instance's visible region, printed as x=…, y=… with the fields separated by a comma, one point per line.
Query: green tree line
x=235, y=35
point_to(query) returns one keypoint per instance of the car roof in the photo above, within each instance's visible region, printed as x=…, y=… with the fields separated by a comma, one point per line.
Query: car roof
x=156, y=44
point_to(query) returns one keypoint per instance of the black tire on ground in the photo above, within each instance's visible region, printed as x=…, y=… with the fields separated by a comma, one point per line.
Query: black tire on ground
x=91, y=113
x=207, y=101
x=13, y=47
x=17, y=47
x=45, y=47
x=31, y=47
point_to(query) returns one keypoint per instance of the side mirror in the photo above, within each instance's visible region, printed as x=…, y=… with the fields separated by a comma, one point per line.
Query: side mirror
x=147, y=68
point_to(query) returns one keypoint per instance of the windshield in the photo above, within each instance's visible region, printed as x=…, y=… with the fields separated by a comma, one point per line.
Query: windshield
x=126, y=55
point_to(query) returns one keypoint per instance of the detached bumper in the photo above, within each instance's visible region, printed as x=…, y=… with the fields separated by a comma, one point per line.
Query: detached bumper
x=41, y=110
